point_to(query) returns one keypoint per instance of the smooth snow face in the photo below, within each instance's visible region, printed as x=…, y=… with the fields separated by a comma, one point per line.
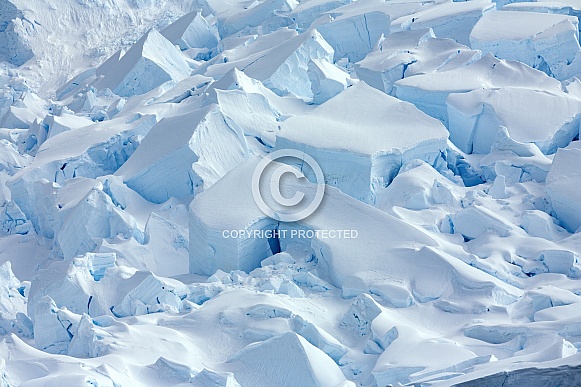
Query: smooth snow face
x=150, y=62
x=429, y=91
x=182, y=145
x=376, y=132
x=545, y=41
x=453, y=20
x=476, y=117
x=445, y=248
x=406, y=53
x=562, y=184
x=191, y=31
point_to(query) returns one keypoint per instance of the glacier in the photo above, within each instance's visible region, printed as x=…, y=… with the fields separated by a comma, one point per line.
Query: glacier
x=143, y=241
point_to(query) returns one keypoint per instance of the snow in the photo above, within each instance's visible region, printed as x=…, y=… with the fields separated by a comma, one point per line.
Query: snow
x=191, y=31
x=150, y=62
x=182, y=144
x=452, y=20
x=374, y=158
x=549, y=42
x=476, y=116
x=278, y=359
x=406, y=53
x=429, y=91
x=561, y=187
x=445, y=249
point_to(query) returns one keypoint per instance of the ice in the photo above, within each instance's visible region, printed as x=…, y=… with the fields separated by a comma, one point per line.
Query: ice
x=452, y=20
x=429, y=91
x=198, y=147
x=279, y=60
x=542, y=225
x=354, y=29
x=51, y=333
x=26, y=107
x=549, y=42
x=283, y=360
x=248, y=105
x=457, y=256
x=12, y=301
x=406, y=53
x=191, y=31
x=14, y=31
x=350, y=140
x=409, y=250
x=89, y=151
x=93, y=284
x=150, y=62
x=208, y=378
x=306, y=12
x=562, y=189
x=326, y=79
x=473, y=221
x=266, y=15
x=475, y=117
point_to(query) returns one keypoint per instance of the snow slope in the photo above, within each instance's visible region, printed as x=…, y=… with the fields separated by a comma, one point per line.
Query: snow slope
x=148, y=239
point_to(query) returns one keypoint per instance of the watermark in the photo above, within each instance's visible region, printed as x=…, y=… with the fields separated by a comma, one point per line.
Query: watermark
x=290, y=233
x=280, y=207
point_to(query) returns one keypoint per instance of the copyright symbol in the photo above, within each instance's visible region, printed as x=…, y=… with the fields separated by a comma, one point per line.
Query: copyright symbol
x=290, y=201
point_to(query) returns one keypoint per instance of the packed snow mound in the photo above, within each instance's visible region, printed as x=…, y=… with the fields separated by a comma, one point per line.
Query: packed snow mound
x=562, y=186
x=429, y=91
x=286, y=360
x=452, y=20
x=197, y=147
x=475, y=117
x=548, y=42
x=406, y=53
x=151, y=61
x=191, y=31
x=361, y=137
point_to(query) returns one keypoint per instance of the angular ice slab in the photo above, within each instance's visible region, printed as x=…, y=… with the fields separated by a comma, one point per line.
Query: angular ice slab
x=361, y=138
x=90, y=151
x=191, y=31
x=548, y=119
x=12, y=302
x=184, y=154
x=453, y=20
x=429, y=91
x=151, y=61
x=279, y=61
x=354, y=29
x=563, y=183
x=548, y=42
x=406, y=53
x=95, y=285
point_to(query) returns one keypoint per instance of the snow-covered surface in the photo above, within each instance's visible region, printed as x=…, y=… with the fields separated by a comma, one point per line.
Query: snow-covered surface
x=446, y=248
x=549, y=42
